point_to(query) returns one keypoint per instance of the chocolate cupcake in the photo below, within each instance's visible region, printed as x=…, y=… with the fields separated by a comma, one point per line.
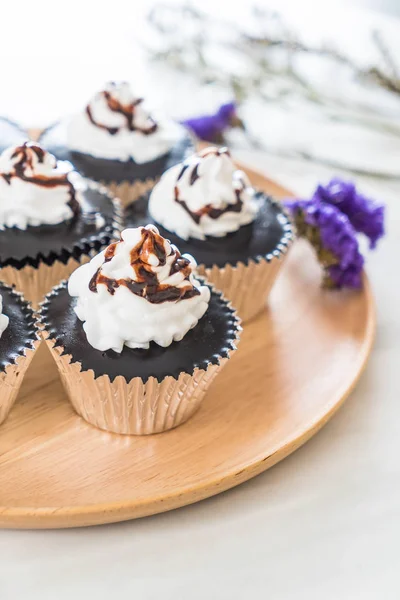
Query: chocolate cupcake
x=152, y=337
x=50, y=220
x=18, y=342
x=116, y=142
x=239, y=236
x=11, y=134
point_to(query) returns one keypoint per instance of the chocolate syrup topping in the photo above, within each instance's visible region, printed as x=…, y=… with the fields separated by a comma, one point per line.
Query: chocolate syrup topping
x=24, y=155
x=208, y=209
x=127, y=111
x=145, y=282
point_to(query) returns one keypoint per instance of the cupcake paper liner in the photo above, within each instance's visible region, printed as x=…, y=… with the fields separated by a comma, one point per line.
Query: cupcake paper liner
x=128, y=192
x=248, y=284
x=13, y=374
x=136, y=407
x=11, y=380
x=34, y=281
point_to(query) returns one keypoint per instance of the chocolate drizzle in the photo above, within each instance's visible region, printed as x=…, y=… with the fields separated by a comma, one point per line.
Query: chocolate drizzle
x=145, y=282
x=126, y=110
x=194, y=175
x=25, y=155
x=208, y=209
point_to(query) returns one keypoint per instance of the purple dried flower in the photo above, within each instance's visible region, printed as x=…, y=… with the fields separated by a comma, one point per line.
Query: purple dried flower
x=330, y=221
x=349, y=277
x=211, y=128
x=366, y=215
x=334, y=239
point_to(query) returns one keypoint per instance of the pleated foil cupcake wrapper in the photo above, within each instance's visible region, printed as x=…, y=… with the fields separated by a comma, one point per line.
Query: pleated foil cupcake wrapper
x=18, y=362
x=134, y=407
x=247, y=286
x=128, y=192
x=35, y=283
x=11, y=380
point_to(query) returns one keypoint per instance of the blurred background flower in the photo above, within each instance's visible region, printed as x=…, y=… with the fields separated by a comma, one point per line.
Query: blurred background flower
x=213, y=128
x=289, y=85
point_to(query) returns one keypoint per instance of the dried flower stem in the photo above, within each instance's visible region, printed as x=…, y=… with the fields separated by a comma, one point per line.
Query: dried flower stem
x=189, y=56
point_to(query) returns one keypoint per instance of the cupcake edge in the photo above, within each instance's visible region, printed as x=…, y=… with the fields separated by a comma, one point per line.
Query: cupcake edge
x=12, y=377
x=248, y=284
x=135, y=407
x=35, y=282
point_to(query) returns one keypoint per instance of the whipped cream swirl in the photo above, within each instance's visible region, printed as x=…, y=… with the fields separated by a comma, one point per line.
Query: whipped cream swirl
x=33, y=189
x=3, y=318
x=138, y=290
x=116, y=125
x=203, y=196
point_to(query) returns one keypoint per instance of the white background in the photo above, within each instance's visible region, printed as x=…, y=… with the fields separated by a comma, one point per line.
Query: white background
x=323, y=524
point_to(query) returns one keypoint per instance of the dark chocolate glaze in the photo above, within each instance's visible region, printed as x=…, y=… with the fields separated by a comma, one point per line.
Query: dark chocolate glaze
x=73, y=238
x=107, y=170
x=11, y=134
x=212, y=339
x=21, y=332
x=266, y=236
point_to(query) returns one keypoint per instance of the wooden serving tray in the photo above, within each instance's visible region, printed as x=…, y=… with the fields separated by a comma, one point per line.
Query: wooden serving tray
x=295, y=366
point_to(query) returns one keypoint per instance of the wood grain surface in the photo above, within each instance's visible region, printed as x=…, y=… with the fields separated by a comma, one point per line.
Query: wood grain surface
x=295, y=365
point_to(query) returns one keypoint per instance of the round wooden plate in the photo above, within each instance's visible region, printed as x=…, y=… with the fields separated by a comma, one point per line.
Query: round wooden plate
x=295, y=366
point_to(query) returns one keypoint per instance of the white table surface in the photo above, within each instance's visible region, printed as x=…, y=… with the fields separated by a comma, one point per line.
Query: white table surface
x=323, y=524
